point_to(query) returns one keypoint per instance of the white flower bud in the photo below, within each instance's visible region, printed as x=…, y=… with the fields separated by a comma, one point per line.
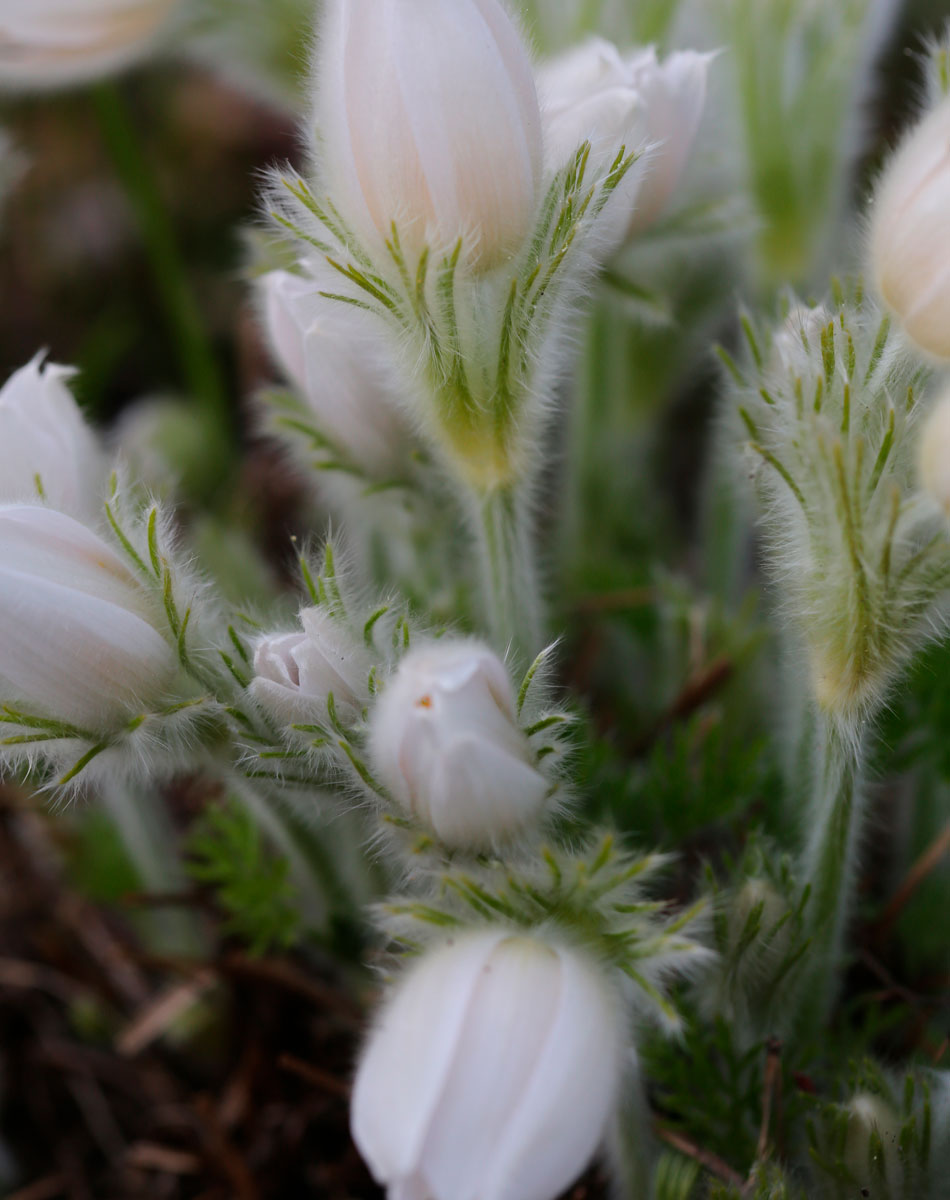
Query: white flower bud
x=46, y=448
x=871, y=1151
x=935, y=454
x=445, y=741
x=77, y=642
x=910, y=234
x=52, y=43
x=429, y=117
x=492, y=1073
x=593, y=93
x=341, y=373
x=797, y=340
x=295, y=673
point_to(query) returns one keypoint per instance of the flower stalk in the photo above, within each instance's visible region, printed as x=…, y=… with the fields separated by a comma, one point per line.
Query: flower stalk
x=509, y=574
x=829, y=860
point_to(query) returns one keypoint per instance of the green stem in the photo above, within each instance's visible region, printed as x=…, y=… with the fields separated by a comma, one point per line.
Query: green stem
x=829, y=863
x=630, y=1146
x=153, y=848
x=652, y=21
x=320, y=887
x=509, y=578
x=183, y=317
x=592, y=418
x=589, y=18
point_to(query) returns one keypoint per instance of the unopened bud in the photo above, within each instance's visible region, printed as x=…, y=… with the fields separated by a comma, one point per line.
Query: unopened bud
x=340, y=372
x=910, y=234
x=593, y=93
x=429, y=118
x=798, y=340
x=295, y=674
x=77, y=639
x=492, y=1072
x=446, y=743
x=47, y=450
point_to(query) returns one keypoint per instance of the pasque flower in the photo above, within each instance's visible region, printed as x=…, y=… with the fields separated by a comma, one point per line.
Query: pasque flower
x=341, y=372
x=428, y=117
x=52, y=43
x=595, y=93
x=910, y=233
x=77, y=641
x=446, y=743
x=491, y=1073
x=46, y=448
x=296, y=673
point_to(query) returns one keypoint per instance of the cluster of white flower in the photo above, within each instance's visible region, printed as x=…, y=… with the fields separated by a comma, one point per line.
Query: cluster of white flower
x=458, y=205
x=458, y=202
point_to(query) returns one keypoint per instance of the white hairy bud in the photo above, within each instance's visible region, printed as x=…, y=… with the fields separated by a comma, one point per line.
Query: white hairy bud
x=340, y=371
x=446, y=743
x=53, y=43
x=77, y=639
x=296, y=673
x=593, y=93
x=47, y=450
x=798, y=339
x=910, y=235
x=491, y=1073
x=871, y=1150
x=429, y=118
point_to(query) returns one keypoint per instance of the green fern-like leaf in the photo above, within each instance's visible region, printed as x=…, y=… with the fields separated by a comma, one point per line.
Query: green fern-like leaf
x=250, y=884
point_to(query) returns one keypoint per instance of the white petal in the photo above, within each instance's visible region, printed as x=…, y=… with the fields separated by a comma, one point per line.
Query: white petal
x=60, y=42
x=506, y=1032
x=402, y=1074
x=274, y=659
x=563, y=1111
x=331, y=659
x=74, y=656
x=480, y=794
x=608, y=120
x=593, y=94
x=673, y=96
x=348, y=380
x=588, y=68
x=282, y=294
x=46, y=448
x=909, y=245
x=445, y=742
x=45, y=544
x=430, y=119
x=76, y=640
x=413, y=776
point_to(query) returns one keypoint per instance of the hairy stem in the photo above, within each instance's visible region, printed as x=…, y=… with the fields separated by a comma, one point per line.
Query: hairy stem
x=629, y=1144
x=320, y=888
x=153, y=847
x=829, y=863
x=508, y=573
